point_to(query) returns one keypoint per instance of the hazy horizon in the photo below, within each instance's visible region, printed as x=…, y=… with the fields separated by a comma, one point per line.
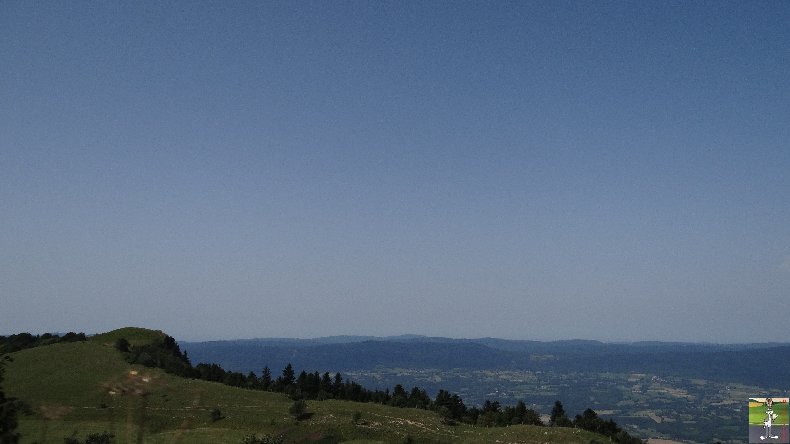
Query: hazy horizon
x=475, y=338
x=402, y=335
x=532, y=170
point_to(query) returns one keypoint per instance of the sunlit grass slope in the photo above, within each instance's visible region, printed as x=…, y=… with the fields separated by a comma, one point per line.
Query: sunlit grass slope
x=87, y=387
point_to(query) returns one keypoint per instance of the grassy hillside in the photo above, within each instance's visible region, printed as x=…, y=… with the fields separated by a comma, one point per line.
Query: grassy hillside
x=87, y=387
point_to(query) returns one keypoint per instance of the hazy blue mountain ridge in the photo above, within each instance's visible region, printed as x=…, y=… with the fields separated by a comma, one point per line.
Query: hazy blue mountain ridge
x=719, y=362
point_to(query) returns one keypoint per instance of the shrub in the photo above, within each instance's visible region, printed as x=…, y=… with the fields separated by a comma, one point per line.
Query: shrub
x=99, y=438
x=93, y=438
x=298, y=409
x=265, y=439
x=122, y=345
x=216, y=415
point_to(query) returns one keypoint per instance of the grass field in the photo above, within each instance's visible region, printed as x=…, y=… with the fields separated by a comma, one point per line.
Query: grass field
x=757, y=413
x=78, y=388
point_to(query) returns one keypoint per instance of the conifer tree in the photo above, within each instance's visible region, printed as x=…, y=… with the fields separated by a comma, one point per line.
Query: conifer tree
x=266, y=378
x=288, y=377
x=558, y=416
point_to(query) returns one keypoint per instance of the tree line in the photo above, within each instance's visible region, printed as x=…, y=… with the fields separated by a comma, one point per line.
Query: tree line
x=21, y=341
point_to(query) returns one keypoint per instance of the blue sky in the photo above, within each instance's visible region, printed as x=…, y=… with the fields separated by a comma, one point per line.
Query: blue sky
x=536, y=170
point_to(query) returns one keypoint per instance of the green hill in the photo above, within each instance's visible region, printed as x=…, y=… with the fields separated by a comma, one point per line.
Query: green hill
x=135, y=336
x=88, y=387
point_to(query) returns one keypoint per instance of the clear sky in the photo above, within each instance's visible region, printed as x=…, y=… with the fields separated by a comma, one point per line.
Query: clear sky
x=535, y=170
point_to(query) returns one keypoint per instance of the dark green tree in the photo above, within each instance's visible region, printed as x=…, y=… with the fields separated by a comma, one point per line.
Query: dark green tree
x=489, y=406
x=588, y=420
x=252, y=381
x=122, y=345
x=532, y=417
x=164, y=354
x=558, y=416
x=210, y=372
x=515, y=415
x=8, y=411
x=312, y=384
x=266, y=379
x=399, y=396
x=453, y=402
x=288, y=377
x=235, y=379
x=301, y=381
x=418, y=398
x=73, y=337
x=325, y=387
x=337, y=386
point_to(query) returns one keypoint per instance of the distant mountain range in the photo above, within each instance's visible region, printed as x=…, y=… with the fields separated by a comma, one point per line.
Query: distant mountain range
x=744, y=363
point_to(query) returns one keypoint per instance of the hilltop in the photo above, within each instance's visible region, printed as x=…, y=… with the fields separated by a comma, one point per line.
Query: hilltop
x=90, y=387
